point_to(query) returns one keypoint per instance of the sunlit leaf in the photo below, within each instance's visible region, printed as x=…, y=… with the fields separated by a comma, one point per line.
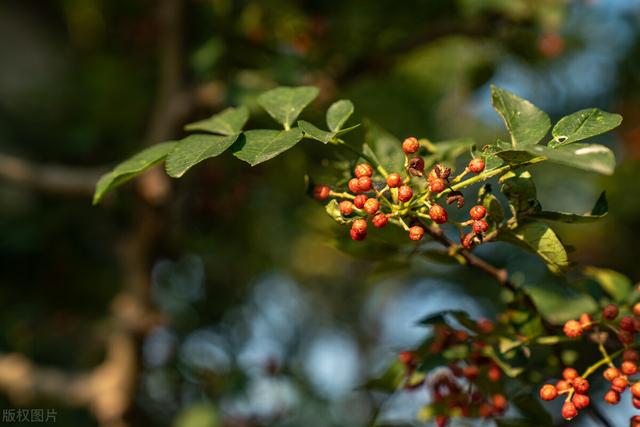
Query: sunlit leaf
x=193, y=149
x=257, y=146
x=285, y=104
x=616, y=284
x=338, y=113
x=526, y=123
x=228, y=122
x=583, y=124
x=540, y=239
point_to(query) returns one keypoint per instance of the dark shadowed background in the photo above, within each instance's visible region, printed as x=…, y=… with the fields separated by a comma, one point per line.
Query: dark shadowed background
x=221, y=299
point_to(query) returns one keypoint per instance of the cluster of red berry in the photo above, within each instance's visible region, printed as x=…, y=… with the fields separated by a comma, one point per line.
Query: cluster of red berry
x=456, y=390
x=575, y=386
x=365, y=200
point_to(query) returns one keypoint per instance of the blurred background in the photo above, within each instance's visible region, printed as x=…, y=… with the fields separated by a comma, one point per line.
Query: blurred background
x=221, y=299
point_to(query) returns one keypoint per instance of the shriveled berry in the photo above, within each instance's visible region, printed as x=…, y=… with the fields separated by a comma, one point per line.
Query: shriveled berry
x=629, y=368
x=346, y=208
x=572, y=329
x=353, y=185
x=468, y=240
x=357, y=235
x=612, y=397
x=416, y=232
x=364, y=183
x=586, y=321
x=321, y=192
x=410, y=145
x=480, y=227
x=635, y=390
x=476, y=165
x=415, y=166
x=631, y=355
x=580, y=401
x=581, y=385
x=569, y=411
x=405, y=193
x=626, y=324
x=569, y=374
x=360, y=200
x=363, y=169
x=562, y=386
x=610, y=312
x=619, y=384
x=611, y=373
x=548, y=392
x=625, y=337
x=477, y=212
x=380, y=220
x=394, y=180
x=438, y=214
x=437, y=185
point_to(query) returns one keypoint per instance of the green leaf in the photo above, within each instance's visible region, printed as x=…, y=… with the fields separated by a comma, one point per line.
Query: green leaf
x=385, y=147
x=312, y=131
x=389, y=381
x=519, y=188
x=228, y=122
x=526, y=123
x=257, y=146
x=599, y=211
x=558, y=303
x=285, y=104
x=193, y=149
x=338, y=113
x=617, y=285
x=130, y=168
x=590, y=157
x=538, y=238
x=495, y=213
x=583, y=124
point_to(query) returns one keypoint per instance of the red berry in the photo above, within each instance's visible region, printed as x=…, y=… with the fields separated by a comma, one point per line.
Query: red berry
x=437, y=185
x=477, y=212
x=499, y=402
x=476, y=165
x=357, y=235
x=635, y=390
x=485, y=325
x=610, y=312
x=470, y=372
x=441, y=420
x=364, y=183
x=619, y=384
x=405, y=193
x=494, y=374
x=321, y=192
x=416, y=232
x=585, y=321
x=480, y=227
x=563, y=386
x=627, y=324
x=353, y=185
x=569, y=374
x=410, y=145
x=407, y=358
x=581, y=401
x=380, y=220
x=346, y=208
x=394, y=180
x=548, y=392
x=581, y=385
x=636, y=404
x=629, y=368
x=569, y=411
x=611, y=373
x=371, y=206
x=630, y=355
x=612, y=397
x=433, y=175
x=636, y=309
x=467, y=240
x=625, y=337
x=438, y=214
x=572, y=329
x=360, y=200
x=363, y=169
x=360, y=225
